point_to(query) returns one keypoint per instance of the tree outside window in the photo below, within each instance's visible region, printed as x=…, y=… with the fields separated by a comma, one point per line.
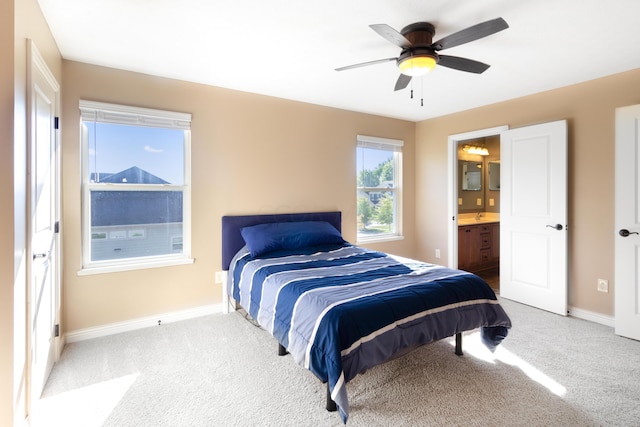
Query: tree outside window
x=378, y=171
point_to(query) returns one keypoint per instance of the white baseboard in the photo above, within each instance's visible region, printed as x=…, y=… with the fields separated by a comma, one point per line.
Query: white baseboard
x=592, y=317
x=142, y=322
x=145, y=322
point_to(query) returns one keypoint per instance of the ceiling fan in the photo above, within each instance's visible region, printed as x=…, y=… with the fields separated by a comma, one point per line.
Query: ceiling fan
x=419, y=54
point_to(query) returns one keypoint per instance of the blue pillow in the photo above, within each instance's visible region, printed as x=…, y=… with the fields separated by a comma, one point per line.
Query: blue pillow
x=265, y=238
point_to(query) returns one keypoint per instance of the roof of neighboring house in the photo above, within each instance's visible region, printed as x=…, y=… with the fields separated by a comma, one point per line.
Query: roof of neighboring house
x=133, y=175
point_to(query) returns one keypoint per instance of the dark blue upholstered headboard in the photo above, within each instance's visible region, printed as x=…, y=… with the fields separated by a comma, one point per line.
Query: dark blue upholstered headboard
x=232, y=240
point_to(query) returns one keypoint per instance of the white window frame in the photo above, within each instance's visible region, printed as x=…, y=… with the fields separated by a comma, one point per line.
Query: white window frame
x=128, y=115
x=394, y=145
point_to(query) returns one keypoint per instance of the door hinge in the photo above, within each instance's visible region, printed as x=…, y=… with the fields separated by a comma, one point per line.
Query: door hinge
x=56, y=227
x=56, y=330
x=56, y=122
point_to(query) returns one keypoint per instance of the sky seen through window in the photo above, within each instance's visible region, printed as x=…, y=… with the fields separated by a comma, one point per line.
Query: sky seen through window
x=114, y=148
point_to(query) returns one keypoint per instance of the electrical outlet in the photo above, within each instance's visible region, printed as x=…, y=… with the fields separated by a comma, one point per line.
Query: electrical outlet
x=437, y=253
x=603, y=285
x=219, y=276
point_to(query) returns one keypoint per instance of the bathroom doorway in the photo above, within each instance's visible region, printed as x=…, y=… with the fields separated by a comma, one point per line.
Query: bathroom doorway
x=474, y=208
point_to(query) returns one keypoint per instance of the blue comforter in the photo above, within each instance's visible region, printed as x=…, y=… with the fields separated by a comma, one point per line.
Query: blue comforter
x=342, y=309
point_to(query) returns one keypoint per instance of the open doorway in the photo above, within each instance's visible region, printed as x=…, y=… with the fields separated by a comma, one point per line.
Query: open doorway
x=474, y=203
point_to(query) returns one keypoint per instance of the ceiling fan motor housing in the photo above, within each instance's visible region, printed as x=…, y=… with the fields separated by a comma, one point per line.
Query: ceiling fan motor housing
x=420, y=35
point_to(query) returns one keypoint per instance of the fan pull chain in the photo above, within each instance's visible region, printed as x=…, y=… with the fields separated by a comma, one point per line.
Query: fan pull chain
x=422, y=92
x=411, y=93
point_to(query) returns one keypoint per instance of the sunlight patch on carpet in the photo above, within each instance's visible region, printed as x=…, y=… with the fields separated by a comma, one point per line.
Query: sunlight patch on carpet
x=473, y=346
x=85, y=406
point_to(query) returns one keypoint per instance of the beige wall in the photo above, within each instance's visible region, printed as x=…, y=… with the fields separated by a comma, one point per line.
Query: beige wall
x=287, y=156
x=250, y=154
x=589, y=109
x=6, y=213
x=19, y=21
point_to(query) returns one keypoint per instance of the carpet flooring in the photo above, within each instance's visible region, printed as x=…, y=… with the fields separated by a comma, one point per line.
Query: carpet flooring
x=221, y=370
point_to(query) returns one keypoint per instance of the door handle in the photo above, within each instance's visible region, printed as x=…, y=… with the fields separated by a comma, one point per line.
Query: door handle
x=557, y=226
x=43, y=255
x=625, y=233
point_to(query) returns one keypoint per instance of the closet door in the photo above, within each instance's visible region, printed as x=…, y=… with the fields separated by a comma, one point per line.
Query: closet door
x=627, y=221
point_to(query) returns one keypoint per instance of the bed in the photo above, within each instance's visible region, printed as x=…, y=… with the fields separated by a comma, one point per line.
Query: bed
x=340, y=309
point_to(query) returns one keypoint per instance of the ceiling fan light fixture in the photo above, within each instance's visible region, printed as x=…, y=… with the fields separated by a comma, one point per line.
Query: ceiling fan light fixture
x=416, y=66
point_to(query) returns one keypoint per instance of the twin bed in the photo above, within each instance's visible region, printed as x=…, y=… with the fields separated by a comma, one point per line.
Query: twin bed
x=340, y=309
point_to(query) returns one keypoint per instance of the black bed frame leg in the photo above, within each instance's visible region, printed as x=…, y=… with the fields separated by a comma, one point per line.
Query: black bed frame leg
x=281, y=350
x=331, y=405
x=459, y=344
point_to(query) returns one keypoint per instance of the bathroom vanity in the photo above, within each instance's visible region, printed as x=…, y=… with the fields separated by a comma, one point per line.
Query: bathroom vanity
x=478, y=244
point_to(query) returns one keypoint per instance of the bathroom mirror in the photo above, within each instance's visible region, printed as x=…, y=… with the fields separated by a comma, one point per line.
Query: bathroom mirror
x=494, y=175
x=471, y=176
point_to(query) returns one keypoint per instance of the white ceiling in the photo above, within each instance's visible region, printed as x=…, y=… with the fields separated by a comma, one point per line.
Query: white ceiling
x=290, y=48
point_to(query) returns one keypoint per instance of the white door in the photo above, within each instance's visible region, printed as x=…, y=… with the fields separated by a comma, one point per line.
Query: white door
x=627, y=221
x=533, y=216
x=43, y=198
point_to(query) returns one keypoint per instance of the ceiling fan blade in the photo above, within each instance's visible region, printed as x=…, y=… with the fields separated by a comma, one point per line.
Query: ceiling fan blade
x=364, y=64
x=463, y=64
x=402, y=82
x=470, y=34
x=391, y=35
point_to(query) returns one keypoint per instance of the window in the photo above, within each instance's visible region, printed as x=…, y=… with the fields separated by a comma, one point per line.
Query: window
x=378, y=167
x=135, y=187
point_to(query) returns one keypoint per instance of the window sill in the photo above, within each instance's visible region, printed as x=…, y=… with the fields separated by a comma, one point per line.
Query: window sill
x=381, y=239
x=137, y=265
